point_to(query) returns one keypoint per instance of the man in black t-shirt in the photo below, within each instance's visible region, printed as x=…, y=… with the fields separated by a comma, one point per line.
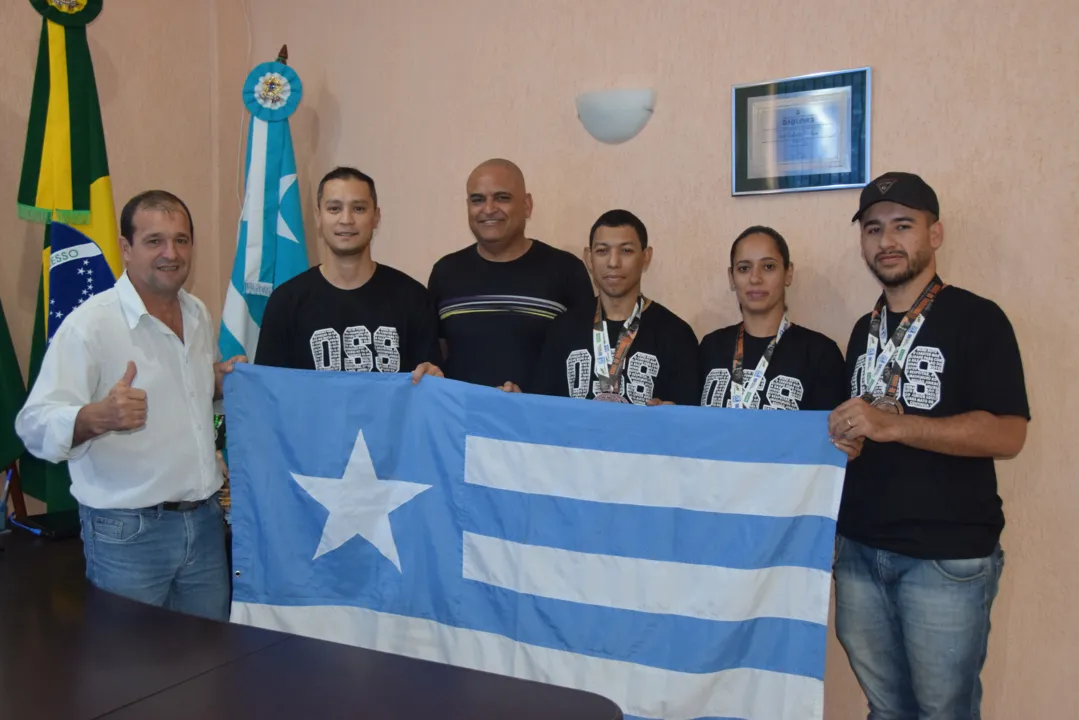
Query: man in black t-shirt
x=937, y=390
x=497, y=297
x=350, y=313
x=623, y=348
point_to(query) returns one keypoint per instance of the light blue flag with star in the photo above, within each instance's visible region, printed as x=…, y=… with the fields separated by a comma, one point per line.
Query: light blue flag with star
x=270, y=246
x=678, y=562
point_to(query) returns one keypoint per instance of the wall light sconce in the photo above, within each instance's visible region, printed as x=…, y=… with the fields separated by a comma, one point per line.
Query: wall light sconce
x=616, y=115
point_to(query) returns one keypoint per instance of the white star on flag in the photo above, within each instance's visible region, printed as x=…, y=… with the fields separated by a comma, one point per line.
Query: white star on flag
x=359, y=503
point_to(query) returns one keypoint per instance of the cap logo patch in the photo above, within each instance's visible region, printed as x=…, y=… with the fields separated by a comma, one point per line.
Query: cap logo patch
x=884, y=186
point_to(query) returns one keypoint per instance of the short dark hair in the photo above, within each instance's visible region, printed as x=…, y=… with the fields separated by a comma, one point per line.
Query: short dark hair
x=781, y=244
x=156, y=199
x=620, y=218
x=346, y=173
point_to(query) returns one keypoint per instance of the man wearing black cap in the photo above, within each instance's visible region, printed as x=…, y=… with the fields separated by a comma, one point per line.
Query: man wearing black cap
x=937, y=392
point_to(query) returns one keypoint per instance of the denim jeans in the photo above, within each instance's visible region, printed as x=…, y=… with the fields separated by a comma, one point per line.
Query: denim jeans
x=169, y=558
x=915, y=631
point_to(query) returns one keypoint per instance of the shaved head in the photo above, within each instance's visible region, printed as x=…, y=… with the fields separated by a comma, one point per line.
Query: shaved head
x=507, y=168
x=498, y=208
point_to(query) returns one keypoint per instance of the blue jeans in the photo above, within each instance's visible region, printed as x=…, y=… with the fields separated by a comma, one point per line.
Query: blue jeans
x=915, y=631
x=169, y=558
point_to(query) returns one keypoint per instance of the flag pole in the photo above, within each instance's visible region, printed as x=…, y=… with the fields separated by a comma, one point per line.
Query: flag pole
x=12, y=489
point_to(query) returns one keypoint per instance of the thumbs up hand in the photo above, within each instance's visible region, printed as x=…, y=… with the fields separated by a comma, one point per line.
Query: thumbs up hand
x=125, y=407
x=129, y=374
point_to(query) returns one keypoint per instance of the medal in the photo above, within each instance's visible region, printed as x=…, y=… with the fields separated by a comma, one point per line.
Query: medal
x=887, y=403
x=610, y=397
x=741, y=395
x=608, y=361
x=885, y=370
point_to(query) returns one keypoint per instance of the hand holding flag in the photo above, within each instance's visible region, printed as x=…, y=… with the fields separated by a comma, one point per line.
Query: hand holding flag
x=222, y=369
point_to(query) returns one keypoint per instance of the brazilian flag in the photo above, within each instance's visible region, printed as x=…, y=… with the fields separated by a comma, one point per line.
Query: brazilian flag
x=12, y=397
x=65, y=178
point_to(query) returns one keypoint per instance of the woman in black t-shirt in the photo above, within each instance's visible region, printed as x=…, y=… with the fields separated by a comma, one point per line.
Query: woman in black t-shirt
x=766, y=361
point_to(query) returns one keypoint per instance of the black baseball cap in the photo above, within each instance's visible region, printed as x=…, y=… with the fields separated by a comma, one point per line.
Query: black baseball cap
x=906, y=189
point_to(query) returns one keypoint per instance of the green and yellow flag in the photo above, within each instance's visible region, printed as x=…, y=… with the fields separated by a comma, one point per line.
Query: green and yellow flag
x=65, y=177
x=12, y=397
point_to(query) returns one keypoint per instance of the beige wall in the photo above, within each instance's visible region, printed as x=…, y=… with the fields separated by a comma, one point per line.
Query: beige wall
x=171, y=121
x=979, y=98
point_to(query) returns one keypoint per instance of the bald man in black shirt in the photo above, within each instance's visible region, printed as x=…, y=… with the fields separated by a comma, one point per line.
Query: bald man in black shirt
x=497, y=297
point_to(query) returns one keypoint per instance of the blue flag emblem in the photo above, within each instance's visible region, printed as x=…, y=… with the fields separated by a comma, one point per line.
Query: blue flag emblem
x=77, y=271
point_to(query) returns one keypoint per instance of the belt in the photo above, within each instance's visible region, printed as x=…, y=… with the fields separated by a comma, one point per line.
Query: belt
x=182, y=506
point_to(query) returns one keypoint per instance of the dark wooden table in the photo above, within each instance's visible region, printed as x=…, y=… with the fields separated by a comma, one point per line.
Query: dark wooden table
x=70, y=651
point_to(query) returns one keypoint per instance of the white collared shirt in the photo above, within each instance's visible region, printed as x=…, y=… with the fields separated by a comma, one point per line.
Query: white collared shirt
x=172, y=456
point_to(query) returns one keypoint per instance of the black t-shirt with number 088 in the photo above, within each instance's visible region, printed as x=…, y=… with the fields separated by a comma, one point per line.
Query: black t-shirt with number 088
x=661, y=363
x=925, y=504
x=804, y=373
x=386, y=325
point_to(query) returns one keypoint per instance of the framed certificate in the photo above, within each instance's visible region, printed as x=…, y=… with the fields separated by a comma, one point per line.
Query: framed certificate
x=802, y=133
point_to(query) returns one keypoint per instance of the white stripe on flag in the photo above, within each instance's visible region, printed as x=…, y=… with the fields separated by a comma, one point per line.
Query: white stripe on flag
x=639, y=690
x=740, y=488
x=283, y=230
x=651, y=586
x=237, y=318
x=76, y=252
x=255, y=202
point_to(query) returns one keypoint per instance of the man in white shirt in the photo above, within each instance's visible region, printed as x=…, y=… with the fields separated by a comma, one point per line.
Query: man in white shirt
x=125, y=395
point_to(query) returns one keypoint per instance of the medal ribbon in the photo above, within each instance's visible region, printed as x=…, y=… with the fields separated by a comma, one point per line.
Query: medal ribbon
x=741, y=396
x=885, y=368
x=608, y=363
